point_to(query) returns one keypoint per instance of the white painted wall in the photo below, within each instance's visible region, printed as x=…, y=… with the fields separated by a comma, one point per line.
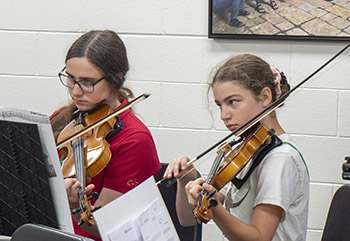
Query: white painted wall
x=171, y=58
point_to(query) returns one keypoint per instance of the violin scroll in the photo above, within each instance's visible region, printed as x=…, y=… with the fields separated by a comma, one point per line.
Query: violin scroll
x=202, y=213
x=86, y=216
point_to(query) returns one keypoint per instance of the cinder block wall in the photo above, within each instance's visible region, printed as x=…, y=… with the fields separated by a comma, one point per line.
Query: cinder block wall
x=171, y=58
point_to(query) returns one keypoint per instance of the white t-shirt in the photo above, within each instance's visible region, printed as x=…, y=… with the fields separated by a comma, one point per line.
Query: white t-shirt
x=281, y=179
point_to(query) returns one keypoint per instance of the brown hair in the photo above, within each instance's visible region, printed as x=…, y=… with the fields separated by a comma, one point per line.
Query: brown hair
x=251, y=72
x=106, y=51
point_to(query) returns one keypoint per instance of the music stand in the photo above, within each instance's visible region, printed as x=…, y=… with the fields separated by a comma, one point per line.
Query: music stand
x=24, y=180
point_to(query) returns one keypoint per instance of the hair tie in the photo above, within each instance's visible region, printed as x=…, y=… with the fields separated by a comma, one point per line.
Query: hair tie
x=277, y=80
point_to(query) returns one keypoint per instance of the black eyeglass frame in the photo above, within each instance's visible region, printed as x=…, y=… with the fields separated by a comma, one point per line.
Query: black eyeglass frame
x=77, y=82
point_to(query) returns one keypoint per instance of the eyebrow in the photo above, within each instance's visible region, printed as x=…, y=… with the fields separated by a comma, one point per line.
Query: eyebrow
x=68, y=73
x=232, y=96
x=87, y=78
x=228, y=97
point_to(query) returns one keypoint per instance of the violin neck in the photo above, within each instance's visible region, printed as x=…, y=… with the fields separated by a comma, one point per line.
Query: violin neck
x=79, y=161
x=80, y=165
x=215, y=167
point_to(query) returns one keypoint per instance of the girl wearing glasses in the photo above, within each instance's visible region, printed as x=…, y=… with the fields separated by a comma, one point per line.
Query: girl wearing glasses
x=273, y=202
x=96, y=65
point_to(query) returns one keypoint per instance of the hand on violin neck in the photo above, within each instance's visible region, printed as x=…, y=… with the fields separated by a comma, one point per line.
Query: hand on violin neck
x=89, y=188
x=178, y=168
x=209, y=189
x=194, y=188
x=72, y=186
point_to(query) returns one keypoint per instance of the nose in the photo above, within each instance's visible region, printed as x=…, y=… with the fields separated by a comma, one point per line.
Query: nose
x=76, y=90
x=225, y=113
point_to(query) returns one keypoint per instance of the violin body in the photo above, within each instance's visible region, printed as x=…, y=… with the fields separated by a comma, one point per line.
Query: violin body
x=96, y=148
x=239, y=157
x=86, y=152
x=234, y=161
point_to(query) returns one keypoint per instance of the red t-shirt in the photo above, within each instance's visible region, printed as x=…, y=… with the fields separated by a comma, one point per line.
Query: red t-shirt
x=134, y=159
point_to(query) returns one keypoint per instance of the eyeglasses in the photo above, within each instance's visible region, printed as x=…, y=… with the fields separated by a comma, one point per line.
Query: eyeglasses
x=87, y=86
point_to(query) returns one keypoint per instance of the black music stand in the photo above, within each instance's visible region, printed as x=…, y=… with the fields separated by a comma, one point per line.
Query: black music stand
x=191, y=233
x=24, y=179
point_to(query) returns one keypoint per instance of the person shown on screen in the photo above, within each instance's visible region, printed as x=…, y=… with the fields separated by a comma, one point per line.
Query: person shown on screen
x=237, y=8
x=260, y=8
x=94, y=73
x=273, y=202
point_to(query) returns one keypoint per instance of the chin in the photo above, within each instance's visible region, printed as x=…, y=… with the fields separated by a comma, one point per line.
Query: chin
x=82, y=107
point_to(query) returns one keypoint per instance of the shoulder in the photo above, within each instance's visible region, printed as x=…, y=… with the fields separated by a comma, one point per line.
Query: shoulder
x=58, y=112
x=133, y=124
x=134, y=130
x=285, y=162
x=287, y=152
x=282, y=177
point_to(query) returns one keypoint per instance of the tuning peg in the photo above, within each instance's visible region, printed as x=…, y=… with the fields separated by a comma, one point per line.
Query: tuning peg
x=212, y=203
x=93, y=196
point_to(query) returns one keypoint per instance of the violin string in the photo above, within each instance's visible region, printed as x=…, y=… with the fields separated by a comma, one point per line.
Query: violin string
x=82, y=162
x=215, y=167
x=79, y=163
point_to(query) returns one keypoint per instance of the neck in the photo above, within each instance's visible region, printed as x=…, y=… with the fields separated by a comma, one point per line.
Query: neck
x=113, y=103
x=272, y=122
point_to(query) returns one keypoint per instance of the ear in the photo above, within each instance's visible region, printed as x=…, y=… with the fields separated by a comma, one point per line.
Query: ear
x=265, y=97
x=120, y=75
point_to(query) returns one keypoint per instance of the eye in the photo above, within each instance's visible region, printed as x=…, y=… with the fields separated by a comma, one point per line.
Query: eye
x=232, y=102
x=70, y=78
x=86, y=82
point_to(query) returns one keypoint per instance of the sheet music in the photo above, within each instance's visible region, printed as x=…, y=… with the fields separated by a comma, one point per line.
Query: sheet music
x=50, y=154
x=138, y=215
x=127, y=231
x=154, y=224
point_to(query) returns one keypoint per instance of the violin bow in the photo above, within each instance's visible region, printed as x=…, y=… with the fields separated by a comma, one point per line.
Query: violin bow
x=274, y=105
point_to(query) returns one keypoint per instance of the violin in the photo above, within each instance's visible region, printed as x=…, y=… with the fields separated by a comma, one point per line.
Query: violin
x=228, y=163
x=92, y=145
x=86, y=152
